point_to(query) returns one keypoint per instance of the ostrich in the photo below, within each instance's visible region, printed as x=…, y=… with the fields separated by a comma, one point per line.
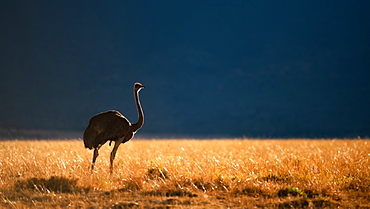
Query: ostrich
x=112, y=126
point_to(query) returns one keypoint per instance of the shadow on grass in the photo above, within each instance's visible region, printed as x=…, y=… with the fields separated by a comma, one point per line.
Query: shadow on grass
x=279, y=178
x=53, y=184
x=305, y=203
x=170, y=193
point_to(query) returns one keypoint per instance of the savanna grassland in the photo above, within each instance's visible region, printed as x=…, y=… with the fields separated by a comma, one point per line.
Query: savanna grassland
x=187, y=174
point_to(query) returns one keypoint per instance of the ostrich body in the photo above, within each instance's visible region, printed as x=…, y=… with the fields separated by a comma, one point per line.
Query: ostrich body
x=112, y=126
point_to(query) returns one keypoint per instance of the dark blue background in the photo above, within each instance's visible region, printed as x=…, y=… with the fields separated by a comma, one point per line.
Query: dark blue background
x=211, y=68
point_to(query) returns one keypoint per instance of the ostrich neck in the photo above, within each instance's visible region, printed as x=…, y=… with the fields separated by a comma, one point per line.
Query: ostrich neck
x=140, y=122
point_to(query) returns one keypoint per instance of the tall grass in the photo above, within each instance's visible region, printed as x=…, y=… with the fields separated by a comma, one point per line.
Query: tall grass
x=187, y=173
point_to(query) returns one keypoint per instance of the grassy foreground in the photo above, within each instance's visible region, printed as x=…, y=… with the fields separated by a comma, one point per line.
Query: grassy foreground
x=187, y=174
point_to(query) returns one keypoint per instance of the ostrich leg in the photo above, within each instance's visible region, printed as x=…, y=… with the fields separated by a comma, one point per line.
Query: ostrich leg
x=113, y=154
x=96, y=154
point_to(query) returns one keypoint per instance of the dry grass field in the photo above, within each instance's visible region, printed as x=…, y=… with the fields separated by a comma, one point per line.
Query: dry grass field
x=187, y=174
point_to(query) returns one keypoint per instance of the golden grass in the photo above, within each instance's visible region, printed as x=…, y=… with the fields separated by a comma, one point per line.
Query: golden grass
x=187, y=174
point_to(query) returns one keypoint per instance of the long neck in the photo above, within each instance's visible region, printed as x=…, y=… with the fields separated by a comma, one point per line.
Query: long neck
x=140, y=122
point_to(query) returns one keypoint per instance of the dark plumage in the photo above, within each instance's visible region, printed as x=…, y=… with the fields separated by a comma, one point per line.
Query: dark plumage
x=106, y=126
x=112, y=126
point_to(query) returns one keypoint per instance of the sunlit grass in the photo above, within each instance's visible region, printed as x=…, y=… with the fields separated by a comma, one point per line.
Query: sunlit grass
x=209, y=173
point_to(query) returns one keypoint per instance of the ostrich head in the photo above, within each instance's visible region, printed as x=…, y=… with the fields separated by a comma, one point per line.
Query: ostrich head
x=138, y=86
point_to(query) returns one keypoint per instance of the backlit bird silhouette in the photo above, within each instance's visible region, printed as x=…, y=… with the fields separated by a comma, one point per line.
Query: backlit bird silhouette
x=112, y=126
